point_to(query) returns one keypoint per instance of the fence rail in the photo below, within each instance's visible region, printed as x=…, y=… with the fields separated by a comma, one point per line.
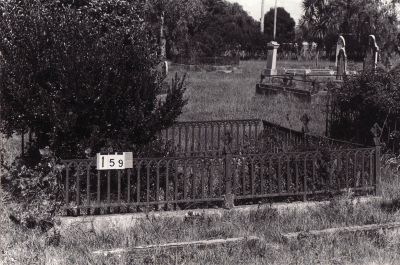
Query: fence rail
x=181, y=182
x=208, y=138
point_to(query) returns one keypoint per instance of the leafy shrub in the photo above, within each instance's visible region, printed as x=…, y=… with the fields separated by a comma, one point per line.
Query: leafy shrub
x=36, y=191
x=362, y=101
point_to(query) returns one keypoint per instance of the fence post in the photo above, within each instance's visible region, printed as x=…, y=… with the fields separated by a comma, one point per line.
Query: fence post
x=376, y=131
x=229, y=197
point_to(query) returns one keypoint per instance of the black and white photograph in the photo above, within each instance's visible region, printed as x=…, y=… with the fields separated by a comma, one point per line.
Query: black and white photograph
x=200, y=132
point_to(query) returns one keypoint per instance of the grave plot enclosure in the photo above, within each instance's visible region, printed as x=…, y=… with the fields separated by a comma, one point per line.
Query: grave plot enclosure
x=292, y=164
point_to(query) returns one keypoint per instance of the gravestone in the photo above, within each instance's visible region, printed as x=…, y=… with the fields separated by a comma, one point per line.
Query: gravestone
x=341, y=64
x=271, y=59
x=339, y=45
x=304, y=49
x=371, y=55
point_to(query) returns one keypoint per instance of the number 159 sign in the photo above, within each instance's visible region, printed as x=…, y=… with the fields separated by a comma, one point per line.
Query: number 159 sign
x=120, y=160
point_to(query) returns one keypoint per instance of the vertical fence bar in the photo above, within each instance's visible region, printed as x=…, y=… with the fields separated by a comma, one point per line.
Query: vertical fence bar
x=184, y=180
x=228, y=175
x=347, y=170
x=219, y=135
x=148, y=185
x=205, y=139
x=194, y=178
x=377, y=166
x=296, y=175
x=176, y=185
x=138, y=186
x=288, y=175
x=108, y=191
x=180, y=138
x=270, y=175
x=244, y=176
x=193, y=126
x=203, y=184
x=262, y=182
x=78, y=191
x=212, y=138
x=67, y=190
x=371, y=169
x=255, y=134
x=158, y=184
x=119, y=191
x=237, y=135
x=252, y=176
x=88, y=189
x=305, y=179
x=97, y=210
x=186, y=138
x=199, y=139
x=210, y=178
x=166, y=186
x=235, y=166
x=355, y=169
x=129, y=189
x=362, y=170
x=279, y=175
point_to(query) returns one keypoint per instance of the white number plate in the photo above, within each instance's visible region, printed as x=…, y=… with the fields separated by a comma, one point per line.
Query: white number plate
x=120, y=160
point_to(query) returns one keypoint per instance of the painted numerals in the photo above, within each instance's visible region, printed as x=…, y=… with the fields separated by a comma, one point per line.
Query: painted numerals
x=119, y=160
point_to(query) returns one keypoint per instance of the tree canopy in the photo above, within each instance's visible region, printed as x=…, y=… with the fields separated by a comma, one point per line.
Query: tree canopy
x=285, y=25
x=81, y=77
x=324, y=20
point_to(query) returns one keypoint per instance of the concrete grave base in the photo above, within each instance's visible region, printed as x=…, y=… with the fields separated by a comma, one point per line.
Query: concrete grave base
x=123, y=222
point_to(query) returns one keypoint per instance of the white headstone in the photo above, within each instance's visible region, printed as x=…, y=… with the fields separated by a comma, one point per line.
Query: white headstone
x=371, y=55
x=339, y=45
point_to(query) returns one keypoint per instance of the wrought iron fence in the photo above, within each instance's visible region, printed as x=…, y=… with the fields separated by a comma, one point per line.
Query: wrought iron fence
x=182, y=182
x=208, y=138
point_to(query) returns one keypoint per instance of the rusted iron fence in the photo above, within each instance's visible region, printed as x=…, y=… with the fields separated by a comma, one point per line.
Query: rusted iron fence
x=181, y=182
x=279, y=163
x=208, y=138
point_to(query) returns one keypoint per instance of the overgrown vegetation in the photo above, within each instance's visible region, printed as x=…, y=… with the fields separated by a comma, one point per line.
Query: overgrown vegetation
x=363, y=100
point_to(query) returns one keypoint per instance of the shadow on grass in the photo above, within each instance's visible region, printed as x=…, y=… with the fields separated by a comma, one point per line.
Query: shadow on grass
x=391, y=206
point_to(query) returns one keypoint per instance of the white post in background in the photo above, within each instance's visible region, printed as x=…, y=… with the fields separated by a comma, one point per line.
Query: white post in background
x=262, y=16
x=276, y=1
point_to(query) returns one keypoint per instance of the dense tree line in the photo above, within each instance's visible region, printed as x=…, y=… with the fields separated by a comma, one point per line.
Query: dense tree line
x=206, y=28
x=324, y=20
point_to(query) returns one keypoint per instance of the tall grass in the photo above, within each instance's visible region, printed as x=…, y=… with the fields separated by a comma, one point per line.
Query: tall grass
x=219, y=95
x=214, y=96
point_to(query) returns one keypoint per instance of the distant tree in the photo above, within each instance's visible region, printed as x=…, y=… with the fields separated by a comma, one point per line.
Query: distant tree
x=82, y=78
x=285, y=25
x=318, y=20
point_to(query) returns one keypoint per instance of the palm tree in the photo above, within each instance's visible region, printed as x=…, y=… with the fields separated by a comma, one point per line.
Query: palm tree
x=319, y=18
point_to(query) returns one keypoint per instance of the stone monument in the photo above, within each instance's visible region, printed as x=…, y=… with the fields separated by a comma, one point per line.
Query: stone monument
x=271, y=59
x=339, y=45
x=341, y=64
x=371, y=55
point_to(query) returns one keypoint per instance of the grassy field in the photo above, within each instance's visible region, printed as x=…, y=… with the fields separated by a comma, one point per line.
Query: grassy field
x=215, y=96
x=219, y=95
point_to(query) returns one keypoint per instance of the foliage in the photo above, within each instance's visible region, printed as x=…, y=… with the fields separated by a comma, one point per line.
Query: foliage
x=324, y=20
x=36, y=191
x=368, y=98
x=285, y=25
x=82, y=78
